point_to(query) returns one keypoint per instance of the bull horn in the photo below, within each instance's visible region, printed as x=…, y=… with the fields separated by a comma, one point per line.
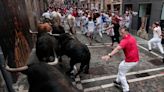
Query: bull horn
x=54, y=63
x=19, y=69
x=32, y=32
x=53, y=34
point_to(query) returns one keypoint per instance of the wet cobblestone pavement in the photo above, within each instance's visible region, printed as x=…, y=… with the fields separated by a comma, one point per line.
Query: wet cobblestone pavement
x=147, y=76
x=101, y=73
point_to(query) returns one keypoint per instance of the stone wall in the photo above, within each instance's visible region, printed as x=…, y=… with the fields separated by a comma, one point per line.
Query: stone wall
x=17, y=17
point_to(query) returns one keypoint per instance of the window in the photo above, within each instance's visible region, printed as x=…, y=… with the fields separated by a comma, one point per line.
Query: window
x=144, y=9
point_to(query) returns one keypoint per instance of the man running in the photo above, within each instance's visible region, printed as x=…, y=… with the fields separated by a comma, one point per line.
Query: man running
x=129, y=45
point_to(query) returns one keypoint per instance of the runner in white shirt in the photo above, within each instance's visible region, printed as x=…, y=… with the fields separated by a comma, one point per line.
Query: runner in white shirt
x=99, y=26
x=109, y=28
x=90, y=29
x=127, y=20
x=84, y=20
x=157, y=38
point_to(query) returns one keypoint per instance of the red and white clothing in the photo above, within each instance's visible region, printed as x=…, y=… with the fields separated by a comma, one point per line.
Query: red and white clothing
x=156, y=40
x=99, y=26
x=84, y=21
x=90, y=26
x=129, y=46
x=124, y=67
x=127, y=21
x=75, y=14
x=110, y=32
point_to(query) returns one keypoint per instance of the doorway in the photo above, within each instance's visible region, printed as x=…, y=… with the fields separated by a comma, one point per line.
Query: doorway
x=116, y=7
x=162, y=21
x=144, y=16
x=128, y=7
x=109, y=7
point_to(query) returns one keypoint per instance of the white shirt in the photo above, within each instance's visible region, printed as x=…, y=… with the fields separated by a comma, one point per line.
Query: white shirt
x=109, y=20
x=157, y=32
x=91, y=26
x=98, y=22
x=127, y=21
x=84, y=20
x=62, y=18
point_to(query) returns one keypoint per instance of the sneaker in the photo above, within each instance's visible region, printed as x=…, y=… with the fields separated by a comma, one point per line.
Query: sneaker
x=150, y=50
x=117, y=84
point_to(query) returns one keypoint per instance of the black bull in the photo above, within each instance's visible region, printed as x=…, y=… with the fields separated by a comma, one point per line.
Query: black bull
x=41, y=76
x=78, y=52
x=45, y=78
x=46, y=47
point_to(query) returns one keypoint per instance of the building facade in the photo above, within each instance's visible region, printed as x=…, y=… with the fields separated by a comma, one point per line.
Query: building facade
x=150, y=10
x=93, y=4
x=114, y=5
x=102, y=5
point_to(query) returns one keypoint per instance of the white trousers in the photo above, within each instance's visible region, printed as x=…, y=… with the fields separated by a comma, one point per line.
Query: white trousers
x=78, y=22
x=124, y=67
x=84, y=29
x=99, y=30
x=155, y=42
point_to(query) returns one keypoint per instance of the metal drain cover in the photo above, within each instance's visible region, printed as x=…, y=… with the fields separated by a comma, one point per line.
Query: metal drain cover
x=142, y=75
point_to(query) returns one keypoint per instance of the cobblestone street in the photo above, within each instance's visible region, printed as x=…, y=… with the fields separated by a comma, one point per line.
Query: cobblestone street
x=81, y=45
x=146, y=77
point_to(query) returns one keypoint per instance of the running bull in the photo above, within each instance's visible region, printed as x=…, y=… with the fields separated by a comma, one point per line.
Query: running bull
x=46, y=45
x=78, y=52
